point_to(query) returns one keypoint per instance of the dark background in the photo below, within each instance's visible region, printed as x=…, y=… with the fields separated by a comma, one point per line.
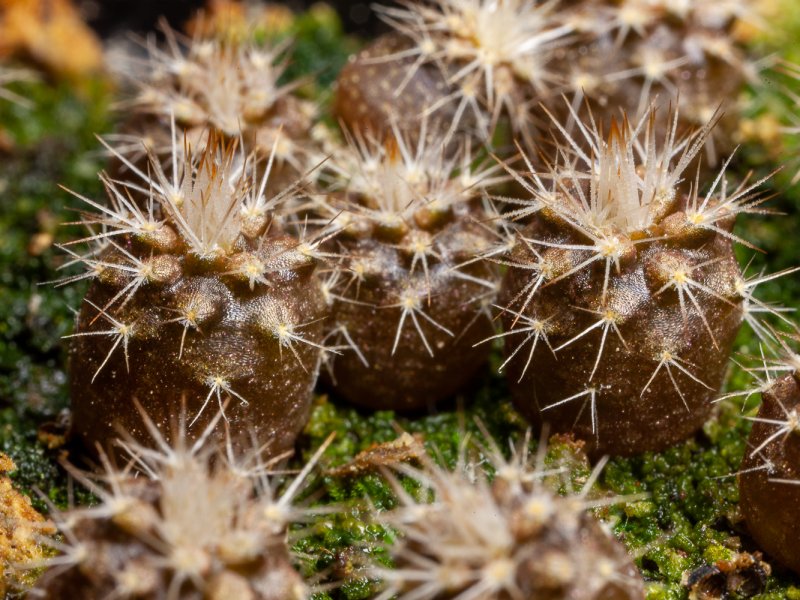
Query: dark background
x=111, y=17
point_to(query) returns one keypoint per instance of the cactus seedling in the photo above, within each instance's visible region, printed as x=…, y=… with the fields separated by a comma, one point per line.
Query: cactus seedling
x=518, y=540
x=491, y=57
x=624, y=296
x=769, y=481
x=409, y=292
x=624, y=53
x=196, y=522
x=227, y=86
x=201, y=296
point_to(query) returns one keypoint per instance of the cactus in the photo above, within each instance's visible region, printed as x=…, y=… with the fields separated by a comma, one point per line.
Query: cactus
x=527, y=543
x=687, y=53
x=474, y=62
x=623, y=296
x=228, y=86
x=769, y=480
x=379, y=86
x=203, y=295
x=200, y=523
x=409, y=294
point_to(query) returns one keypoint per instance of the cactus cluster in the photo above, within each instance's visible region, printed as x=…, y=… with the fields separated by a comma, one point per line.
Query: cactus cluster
x=385, y=260
x=245, y=242
x=482, y=62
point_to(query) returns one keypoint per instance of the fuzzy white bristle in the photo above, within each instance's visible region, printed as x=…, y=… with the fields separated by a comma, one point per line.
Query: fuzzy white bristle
x=517, y=517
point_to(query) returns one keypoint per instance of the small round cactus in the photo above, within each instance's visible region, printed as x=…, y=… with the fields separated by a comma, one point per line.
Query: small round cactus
x=193, y=523
x=380, y=85
x=769, y=480
x=478, y=61
x=409, y=295
x=626, y=52
x=511, y=538
x=623, y=296
x=200, y=296
x=229, y=86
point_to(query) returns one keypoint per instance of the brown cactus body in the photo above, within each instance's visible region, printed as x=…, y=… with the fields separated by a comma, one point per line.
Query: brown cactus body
x=630, y=413
x=375, y=89
x=409, y=294
x=623, y=298
x=769, y=482
x=197, y=300
x=234, y=351
x=425, y=363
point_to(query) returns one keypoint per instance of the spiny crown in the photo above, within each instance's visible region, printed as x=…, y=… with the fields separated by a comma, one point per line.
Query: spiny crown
x=211, y=82
x=209, y=205
x=400, y=183
x=629, y=183
x=195, y=515
x=484, y=44
x=523, y=523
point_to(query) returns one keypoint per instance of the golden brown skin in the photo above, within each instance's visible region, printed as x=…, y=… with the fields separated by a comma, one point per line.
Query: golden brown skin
x=167, y=362
x=409, y=377
x=633, y=414
x=369, y=95
x=771, y=508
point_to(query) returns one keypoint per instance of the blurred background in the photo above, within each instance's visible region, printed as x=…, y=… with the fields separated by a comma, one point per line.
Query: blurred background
x=112, y=17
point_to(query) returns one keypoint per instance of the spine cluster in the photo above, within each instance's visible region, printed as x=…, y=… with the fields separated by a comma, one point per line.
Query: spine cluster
x=181, y=520
x=527, y=543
